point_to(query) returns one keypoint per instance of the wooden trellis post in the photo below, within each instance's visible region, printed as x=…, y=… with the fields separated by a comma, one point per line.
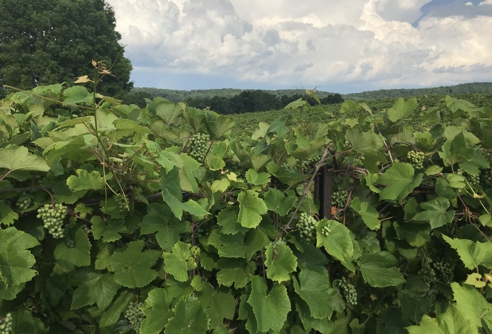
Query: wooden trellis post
x=323, y=191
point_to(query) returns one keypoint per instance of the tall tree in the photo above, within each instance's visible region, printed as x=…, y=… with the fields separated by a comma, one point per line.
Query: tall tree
x=53, y=41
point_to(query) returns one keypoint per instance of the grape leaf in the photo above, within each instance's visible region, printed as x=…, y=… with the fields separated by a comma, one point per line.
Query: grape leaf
x=472, y=305
x=168, y=111
x=275, y=200
x=78, y=256
x=400, y=181
x=168, y=230
x=435, y=212
x=250, y=209
x=280, y=262
x=15, y=259
x=427, y=325
x=176, y=263
x=475, y=279
x=270, y=309
x=227, y=218
x=7, y=215
x=132, y=267
x=24, y=322
x=379, y=270
x=315, y=289
x=233, y=271
x=218, y=126
x=120, y=305
x=257, y=179
x=108, y=231
x=172, y=195
x=189, y=318
x=338, y=243
x=77, y=94
x=158, y=311
x=94, y=287
x=402, y=109
x=368, y=213
x=219, y=304
x=238, y=245
x=18, y=158
x=85, y=180
x=472, y=253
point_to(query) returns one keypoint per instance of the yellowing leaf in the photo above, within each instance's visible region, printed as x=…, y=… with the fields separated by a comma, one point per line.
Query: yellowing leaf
x=83, y=79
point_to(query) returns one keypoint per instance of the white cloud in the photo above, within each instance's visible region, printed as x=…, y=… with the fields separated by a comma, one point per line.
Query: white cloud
x=486, y=2
x=292, y=43
x=469, y=4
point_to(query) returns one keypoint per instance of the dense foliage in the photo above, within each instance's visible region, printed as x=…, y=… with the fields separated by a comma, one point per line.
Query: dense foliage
x=46, y=41
x=168, y=221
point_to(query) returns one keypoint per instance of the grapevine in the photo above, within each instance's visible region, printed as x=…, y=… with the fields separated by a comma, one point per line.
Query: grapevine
x=486, y=178
x=444, y=270
x=473, y=180
x=416, y=159
x=427, y=274
x=24, y=201
x=199, y=145
x=53, y=217
x=308, y=165
x=135, y=315
x=6, y=324
x=339, y=199
x=275, y=243
x=307, y=227
x=348, y=291
x=121, y=200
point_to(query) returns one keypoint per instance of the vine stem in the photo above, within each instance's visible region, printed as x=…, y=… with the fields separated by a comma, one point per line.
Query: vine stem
x=385, y=144
x=317, y=166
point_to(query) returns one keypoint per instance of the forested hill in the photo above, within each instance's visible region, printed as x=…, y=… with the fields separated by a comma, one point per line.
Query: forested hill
x=181, y=95
x=466, y=88
x=234, y=101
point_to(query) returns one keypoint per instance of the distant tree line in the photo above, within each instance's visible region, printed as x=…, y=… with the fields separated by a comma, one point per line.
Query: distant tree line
x=465, y=88
x=244, y=102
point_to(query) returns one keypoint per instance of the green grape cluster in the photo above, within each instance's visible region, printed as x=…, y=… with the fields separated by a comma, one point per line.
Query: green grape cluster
x=199, y=232
x=121, y=200
x=288, y=168
x=275, y=243
x=308, y=165
x=473, y=180
x=339, y=199
x=416, y=159
x=427, y=274
x=135, y=315
x=307, y=226
x=24, y=201
x=348, y=291
x=486, y=179
x=445, y=270
x=86, y=229
x=325, y=231
x=69, y=242
x=53, y=218
x=6, y=324
x=199, y=145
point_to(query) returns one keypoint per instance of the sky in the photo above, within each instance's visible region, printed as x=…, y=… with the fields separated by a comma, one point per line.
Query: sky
x=331, y=45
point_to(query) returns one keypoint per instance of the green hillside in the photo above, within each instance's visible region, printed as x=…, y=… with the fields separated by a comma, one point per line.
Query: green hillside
x=180, y=95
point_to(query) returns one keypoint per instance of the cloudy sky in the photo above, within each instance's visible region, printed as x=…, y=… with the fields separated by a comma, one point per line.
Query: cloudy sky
x=339, y=46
